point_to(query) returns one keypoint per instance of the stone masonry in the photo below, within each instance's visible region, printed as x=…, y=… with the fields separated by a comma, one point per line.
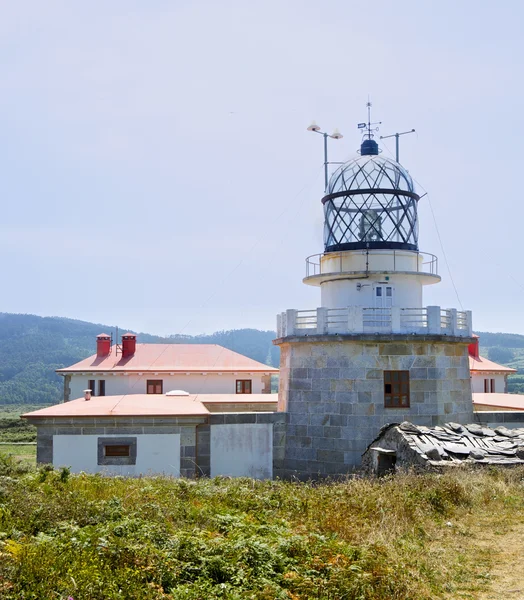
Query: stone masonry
x=332, y=389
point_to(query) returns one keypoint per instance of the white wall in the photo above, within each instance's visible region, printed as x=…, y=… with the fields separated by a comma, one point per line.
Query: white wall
x=407, y=292
x=193, y=383
x=156, y=454
x=477, y=383
x=242, y=450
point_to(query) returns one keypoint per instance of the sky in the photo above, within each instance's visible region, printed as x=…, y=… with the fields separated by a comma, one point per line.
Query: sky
x=156, y=171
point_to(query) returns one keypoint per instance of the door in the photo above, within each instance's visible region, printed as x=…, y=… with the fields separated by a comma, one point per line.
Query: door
x=382, y=303
x=383, y=296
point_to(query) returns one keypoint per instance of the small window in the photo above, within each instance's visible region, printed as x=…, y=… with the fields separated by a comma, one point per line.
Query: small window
x=492, y=386
x=389, y=292
x=154, y=386
x=379, y=291
x=91, y=386
x=122, y=450
x=486, y=386
x=243, y=386
x=102, y=387
x=396, y=389
x=117, y=451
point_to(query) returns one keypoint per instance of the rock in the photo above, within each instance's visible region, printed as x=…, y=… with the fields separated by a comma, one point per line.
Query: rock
x=433, y=453
x=409, y=427
x=456, y=448
x=506, y=432
x=474, y=428
x=488, y=432
x=477, y=454
x=456, y=427
x=520, y=452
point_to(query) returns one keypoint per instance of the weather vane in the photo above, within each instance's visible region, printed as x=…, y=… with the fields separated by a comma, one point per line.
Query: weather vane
x=369, y=125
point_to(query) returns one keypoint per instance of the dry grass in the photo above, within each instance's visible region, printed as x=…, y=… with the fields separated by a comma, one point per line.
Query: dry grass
x=407, y=537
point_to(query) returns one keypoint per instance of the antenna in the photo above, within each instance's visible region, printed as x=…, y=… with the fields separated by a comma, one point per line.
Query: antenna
x=369, y=125
x=396, y=136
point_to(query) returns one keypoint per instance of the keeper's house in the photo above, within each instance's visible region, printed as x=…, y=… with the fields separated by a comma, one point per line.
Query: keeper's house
x=489, y=384
x=131, y=368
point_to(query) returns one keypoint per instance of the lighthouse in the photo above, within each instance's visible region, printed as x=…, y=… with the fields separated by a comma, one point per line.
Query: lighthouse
x=371, y=353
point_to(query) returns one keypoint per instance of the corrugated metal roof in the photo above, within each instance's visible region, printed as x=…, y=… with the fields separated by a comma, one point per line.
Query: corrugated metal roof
x=172, y=357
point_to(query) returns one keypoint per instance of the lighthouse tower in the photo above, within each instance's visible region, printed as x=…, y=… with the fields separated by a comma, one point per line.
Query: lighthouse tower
x=372, y=353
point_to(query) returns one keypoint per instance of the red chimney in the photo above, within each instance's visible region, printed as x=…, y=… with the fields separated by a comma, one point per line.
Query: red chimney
x=128, y=344
x=474, y=347
x=103, y=344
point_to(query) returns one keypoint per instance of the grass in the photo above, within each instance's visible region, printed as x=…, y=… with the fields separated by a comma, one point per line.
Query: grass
x=25, y=453
x=17, y=437
x=407, y=537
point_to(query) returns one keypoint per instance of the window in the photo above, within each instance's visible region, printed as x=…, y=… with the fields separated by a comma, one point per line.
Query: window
x=243, y=386
x=396, y=389
x=117, y=450
x=120, y=450
x=486, y=386
x=492, y=386
x=154, y=386
x=102, y=387
x=91, y=386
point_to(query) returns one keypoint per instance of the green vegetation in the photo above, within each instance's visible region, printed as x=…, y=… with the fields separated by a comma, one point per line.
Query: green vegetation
x=506, y=349
x=408, y=537
x=32, y=348
x=17, y=437
x=501, y=355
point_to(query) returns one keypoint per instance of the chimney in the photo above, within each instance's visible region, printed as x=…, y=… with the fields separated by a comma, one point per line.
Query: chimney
x=473, y=348
x=128, y=345
x=87, y=394
x=103, y=344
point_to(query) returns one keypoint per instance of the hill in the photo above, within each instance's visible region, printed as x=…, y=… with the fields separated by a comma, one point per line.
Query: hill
x=32, y=347
x=506, y=349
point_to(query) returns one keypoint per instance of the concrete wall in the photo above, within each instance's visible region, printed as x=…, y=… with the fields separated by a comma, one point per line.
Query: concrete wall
x=156, y=454
x=193, y=383
x=242, y=450
x=242, y=444
x=477, y=383
x=509, y=419
x=332, y=388
x=68, y=434
x=407, y=292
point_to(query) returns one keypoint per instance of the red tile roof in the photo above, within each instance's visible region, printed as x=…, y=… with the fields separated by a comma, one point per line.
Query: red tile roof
x=172, y=357
x=511, y=401
x=483, y=364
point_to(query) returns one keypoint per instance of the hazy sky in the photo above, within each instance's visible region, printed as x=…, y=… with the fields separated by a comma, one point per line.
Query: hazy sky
x=156, y=171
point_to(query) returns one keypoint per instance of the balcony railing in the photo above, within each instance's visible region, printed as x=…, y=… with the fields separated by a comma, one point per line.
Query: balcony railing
x=356, y=319
x=392, y=260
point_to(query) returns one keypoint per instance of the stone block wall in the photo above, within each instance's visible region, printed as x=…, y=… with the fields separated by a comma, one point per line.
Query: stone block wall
x=332, y=389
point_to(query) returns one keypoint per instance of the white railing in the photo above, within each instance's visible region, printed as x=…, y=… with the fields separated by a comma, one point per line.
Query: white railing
x=356, y=319
x=422, y=263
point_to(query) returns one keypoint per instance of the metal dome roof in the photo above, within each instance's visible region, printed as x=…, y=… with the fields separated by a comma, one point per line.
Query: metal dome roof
x=370, y=172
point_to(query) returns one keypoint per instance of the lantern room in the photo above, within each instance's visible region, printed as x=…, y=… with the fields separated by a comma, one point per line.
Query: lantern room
x=370, y=203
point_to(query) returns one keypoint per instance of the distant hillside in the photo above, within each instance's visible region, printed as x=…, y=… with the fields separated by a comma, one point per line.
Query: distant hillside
x=505, y=349
x=32, y=347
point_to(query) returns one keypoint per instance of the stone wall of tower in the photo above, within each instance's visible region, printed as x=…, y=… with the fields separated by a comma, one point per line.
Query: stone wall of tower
x=332, y=389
